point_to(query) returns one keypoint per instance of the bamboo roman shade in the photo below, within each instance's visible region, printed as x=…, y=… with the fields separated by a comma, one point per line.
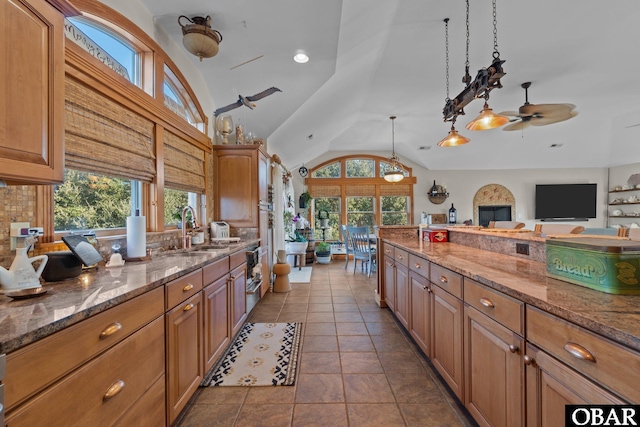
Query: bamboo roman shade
x=395, y=190
x=184, y=165
x=102, y=136
x=361, y=190
x=325, y=191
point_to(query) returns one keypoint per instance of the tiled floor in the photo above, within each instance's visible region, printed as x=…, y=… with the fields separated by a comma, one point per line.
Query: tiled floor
x=357, y=366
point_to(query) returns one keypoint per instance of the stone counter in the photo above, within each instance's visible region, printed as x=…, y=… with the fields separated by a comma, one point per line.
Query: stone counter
x=70, y=301
x=614, y=316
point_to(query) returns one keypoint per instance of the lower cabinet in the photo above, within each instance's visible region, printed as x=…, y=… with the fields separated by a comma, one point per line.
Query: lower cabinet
x=402, y=293
x=551, y=385
x=216, y=320
x=494, y=372
x=421, y=311
x=238, y=305
x=446, y=353
x=184, y=344
x=389, y=282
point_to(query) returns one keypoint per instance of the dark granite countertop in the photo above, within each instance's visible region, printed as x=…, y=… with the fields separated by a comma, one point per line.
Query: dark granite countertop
x=70, y=301
x=614, y=316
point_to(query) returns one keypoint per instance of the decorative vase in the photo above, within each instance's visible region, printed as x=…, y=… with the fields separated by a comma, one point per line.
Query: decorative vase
x=296, y=247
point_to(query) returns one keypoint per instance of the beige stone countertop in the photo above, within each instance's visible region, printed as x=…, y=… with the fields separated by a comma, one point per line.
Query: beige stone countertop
x=95, y=290
x=614, y=316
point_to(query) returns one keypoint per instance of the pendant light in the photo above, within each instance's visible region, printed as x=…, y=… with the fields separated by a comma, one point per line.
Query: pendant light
x=487, y=118
x=396, y=173
x=453, y=138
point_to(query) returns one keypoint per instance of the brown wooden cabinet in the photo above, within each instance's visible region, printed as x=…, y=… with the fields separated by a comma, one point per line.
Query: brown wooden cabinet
x=32, y=84
x=551, y=385
x=238, y=305
x=216, y=320
x=421, y=311
x=389, y=285
x=402, y=294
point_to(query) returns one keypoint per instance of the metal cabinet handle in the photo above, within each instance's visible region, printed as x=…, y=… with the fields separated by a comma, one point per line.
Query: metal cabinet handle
x=513, y=348
x=486, y=302
x=400, y=257
x=579, y=352
x=418, y=265
x=187, y=287
x=443, y=279
x=426, y=288
x=188, y=307
x=113, y=390
x=110, y=330
x=387, y=251
x=528, y=360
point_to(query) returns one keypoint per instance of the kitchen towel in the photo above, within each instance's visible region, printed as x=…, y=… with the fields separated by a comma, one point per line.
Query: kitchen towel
x=136, y=236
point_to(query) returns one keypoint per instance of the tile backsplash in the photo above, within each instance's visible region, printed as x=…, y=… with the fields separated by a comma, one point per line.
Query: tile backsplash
x=17, y=204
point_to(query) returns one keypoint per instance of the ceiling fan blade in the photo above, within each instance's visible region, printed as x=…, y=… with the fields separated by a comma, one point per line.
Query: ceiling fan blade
x=510, y=113
x=547, y=109
x=547, y=120
x=519, y=125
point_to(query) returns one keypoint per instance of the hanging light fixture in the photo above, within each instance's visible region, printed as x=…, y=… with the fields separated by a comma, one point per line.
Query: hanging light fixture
x=396, y=173
x=487, y=118
x=453, y=138
x=199, y=38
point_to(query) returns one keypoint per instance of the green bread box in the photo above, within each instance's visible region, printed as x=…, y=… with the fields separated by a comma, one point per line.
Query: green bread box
x=606, y=265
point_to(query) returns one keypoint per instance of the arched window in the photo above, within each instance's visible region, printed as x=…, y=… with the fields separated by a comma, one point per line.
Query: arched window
x=351, y=191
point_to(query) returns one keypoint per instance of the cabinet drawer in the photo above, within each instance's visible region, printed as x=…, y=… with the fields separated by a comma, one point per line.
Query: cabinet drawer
x=419, y=265
x=401, y=257
x=182, y=288
x=149, y=410
x=498, y=306
x=446, y=279
x=607, y=363
x=38, y=365
x=215, y=270
x=388, y=249
x=236, y=259
x=126, y=371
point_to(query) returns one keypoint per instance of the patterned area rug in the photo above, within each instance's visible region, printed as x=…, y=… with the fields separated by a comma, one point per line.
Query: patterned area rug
x=302, y=275
x=263, y=354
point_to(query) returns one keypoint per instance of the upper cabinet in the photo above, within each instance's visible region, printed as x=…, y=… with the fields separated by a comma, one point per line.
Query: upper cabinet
x=32, y=88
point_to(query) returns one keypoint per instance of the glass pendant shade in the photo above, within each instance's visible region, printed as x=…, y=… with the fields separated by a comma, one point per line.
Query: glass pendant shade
x=199, y=38
x=393, y=176
x=453, y=139
x=487, y=120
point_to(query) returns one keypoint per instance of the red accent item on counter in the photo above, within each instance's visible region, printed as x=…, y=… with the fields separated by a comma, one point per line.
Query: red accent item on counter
x=434, y=235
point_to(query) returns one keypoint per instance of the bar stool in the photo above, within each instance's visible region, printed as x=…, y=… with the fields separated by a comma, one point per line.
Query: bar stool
x=281, y=269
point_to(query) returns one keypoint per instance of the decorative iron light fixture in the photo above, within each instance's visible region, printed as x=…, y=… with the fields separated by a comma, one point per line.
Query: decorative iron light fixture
x=199, y=38
x=396, y=174
x=453, y=138
x=485, y=81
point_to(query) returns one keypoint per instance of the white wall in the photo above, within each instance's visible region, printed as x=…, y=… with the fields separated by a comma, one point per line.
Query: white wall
x=463, y=185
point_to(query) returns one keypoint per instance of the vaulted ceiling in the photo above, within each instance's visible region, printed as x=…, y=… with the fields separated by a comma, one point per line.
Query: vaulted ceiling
x=371, y=59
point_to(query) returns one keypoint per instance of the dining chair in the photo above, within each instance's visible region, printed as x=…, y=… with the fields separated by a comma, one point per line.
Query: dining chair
x=362, y=249
x=558, y=228
x=347, y=244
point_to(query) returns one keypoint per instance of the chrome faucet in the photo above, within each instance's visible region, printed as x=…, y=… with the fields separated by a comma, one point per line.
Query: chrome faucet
x=186, y=238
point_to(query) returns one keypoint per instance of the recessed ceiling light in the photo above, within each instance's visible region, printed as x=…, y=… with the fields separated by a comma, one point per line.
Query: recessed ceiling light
x=424, y=147
x=555, y=146
x=301, y=58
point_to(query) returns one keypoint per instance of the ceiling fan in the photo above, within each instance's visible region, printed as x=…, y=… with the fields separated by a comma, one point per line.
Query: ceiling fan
x=538, y=114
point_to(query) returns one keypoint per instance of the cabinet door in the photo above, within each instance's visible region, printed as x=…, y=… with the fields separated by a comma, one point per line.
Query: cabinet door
x=216, y=320
x=420, y=325
x=447, y=338
x=551, y=385
x=402, y=294
x=238, y=289
x=389, y=282
x=32, y=88
x=236, y=186
x=494, y=373
x=184, y=354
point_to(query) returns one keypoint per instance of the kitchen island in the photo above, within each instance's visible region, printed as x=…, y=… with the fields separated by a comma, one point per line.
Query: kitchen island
x=490, y=321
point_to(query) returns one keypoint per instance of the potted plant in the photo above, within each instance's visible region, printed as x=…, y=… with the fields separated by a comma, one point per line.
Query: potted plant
x=323, y=252
x=304, y=199
x=296, y=243
x=323, y=216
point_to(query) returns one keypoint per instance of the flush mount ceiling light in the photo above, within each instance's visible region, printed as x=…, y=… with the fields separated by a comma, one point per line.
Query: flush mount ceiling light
x=396, y=173
x=301, y=58
x=453, y=138
x=199, y=38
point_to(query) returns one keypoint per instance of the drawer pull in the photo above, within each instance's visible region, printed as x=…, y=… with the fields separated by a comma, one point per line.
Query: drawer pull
x=426, y=288
x=110, y=330
x=418, y=265
x=387, y=251
x=113, y=390
x=443, y=279
x=579, y=352
x=513, y=348
x=486, y=302
x=528, y=360
x=188, y=307
x=400, y=257
x=187, y=287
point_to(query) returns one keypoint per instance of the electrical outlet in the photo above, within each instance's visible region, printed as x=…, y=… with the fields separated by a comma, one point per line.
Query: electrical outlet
x=15, y=231
x=522, y=248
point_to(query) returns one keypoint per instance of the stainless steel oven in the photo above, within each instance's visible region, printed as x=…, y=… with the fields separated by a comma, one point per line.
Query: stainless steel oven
x=254, y=278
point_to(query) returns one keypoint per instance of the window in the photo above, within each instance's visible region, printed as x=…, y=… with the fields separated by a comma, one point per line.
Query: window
x=174, y=202
x=360, y=211
x=87, y=201
x=114, y=45
x=394, y=210
x=328, y=171
x=360, y=168
x=332, y=206
x=177, y=99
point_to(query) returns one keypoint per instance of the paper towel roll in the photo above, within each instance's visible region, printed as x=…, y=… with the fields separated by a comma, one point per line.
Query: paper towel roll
x=136, y=236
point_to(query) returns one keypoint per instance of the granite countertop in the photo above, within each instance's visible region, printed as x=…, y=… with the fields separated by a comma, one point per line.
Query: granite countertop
x=614, y=316
x=95, y=290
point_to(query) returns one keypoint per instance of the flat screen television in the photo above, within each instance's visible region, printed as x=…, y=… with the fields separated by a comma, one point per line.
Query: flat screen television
x=565, y=201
